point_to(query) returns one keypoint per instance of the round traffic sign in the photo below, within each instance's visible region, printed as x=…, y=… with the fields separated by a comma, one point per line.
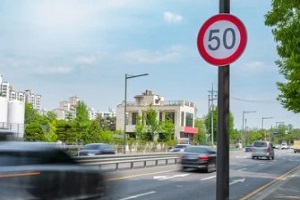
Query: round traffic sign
x=222, y=39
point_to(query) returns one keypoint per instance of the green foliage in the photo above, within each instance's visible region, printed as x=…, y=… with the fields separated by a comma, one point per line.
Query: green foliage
x=232, y=133
x=168, y=130
x=34, y=132
x=140, y=129
x=152, y=123
x=31, y=115
x=200, y=137
x=284, y=18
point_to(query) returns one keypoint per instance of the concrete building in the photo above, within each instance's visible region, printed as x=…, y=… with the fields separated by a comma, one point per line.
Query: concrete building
x=181, y=113
x=67, y=107
x=4, y=88
x=34, y=99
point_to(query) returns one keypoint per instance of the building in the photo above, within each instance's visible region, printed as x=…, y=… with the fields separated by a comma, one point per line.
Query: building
x=34, y=99
x=4, y=88
x=67, y=107
x=181, y=113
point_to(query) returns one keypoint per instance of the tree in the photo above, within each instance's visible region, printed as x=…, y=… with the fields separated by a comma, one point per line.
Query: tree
x=284, y=17
x=215, y=124
x=81, y=122
x=152, y=123
x=200, y=137
x=168, y=130
x=140, y=129
x=34, y=132
x=31, y=115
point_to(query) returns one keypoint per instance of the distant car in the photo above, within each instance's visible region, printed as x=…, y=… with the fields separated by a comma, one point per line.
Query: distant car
x=262, y=149
x=276, y=146
x=94, y=149
x=33, y=170
x=284, y=145
x=179, y=147
x=248, y=148
x=199, y=157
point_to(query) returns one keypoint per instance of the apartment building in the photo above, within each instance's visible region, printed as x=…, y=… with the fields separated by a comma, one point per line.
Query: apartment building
x=4, y=88
x=34, y=99
x=66, y=107
x=182, y=114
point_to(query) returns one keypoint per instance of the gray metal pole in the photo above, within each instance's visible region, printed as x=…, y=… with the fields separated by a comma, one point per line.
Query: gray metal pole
x=223, y=123
x=125, y=115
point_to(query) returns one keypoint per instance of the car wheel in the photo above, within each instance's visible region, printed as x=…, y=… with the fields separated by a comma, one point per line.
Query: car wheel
x=183, y=169
x=208, y=169
x=253, y=157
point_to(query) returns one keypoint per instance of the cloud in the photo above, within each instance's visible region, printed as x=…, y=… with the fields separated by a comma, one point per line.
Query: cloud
x=170, y=17
x=152, y=57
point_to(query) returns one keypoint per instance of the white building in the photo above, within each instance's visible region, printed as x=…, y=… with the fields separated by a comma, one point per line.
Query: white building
x=34, y=99
x=4, y=88
x=181, y=113
x=67, y=107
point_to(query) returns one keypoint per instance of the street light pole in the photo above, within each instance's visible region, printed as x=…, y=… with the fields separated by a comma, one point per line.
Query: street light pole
x=262, y=123
x=243, y=123
x=125, y=106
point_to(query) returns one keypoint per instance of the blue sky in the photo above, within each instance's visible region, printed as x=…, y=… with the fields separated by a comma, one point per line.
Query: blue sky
x=85, y=47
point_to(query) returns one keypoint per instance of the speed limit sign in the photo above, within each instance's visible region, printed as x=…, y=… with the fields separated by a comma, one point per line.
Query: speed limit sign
x=222, y=39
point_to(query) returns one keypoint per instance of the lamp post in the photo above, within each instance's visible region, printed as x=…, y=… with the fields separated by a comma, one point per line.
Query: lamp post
x=243, y=122
x=127, y=76
x=262, y=123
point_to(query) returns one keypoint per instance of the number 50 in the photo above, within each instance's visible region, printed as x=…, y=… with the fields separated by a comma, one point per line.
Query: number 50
x=213, y=36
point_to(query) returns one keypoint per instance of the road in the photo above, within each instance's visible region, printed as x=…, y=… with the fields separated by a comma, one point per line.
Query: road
x=168, y=182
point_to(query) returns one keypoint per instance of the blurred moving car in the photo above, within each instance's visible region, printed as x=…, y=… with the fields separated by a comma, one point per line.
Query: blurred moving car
x=94, y=149
x=248, y=148
x=284, y=145
x=179, y=147
x=32, y=170
x=199, y=157
x=262, y=149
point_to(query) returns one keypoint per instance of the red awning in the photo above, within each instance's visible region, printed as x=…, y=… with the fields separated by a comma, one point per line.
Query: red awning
x=190, y=130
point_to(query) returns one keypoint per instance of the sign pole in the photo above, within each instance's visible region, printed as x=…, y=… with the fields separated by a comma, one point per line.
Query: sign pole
x=222, y=192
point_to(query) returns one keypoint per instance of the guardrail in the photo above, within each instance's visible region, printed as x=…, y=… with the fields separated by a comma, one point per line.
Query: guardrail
x=129, y=161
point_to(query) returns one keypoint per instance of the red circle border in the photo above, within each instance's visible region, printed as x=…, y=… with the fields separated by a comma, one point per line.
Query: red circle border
x=243, y=35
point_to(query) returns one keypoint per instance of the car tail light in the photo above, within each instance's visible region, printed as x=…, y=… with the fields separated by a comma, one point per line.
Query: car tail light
x=204, y=158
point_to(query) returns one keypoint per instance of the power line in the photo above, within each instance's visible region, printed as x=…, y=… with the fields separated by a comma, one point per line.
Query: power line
x=253, y=101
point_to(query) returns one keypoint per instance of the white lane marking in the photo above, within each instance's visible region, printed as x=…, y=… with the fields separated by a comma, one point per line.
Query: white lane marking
x=237, y=180
x=242, y=169
x=138, y=195
x=207, y=178
x=169, y=177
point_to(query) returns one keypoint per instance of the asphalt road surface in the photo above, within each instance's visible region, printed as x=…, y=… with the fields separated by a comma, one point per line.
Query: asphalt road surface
x=168, y=182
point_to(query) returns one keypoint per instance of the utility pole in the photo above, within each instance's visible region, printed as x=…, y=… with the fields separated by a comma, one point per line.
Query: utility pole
x=211, y=97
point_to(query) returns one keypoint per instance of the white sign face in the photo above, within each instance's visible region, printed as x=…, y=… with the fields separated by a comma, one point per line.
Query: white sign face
x=222, y=39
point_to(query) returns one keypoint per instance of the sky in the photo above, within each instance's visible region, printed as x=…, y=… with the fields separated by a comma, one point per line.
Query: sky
x=85, y=47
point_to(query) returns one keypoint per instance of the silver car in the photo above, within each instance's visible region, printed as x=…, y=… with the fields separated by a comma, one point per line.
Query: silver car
x=262, y=149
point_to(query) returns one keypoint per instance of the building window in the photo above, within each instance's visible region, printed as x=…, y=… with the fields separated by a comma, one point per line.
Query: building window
x=189, y=119
x=182, y=118
x=170, y=116
x=134, y=118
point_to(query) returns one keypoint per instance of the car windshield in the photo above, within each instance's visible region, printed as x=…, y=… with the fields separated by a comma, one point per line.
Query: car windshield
x=196, y=150
x=91, y=147
x=260, y=144
x=180, y=146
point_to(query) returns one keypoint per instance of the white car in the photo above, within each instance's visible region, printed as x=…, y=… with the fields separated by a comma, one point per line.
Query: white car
x=284, y=146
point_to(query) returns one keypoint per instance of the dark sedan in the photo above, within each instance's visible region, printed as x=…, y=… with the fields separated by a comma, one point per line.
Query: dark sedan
x=96, y=149
x=32, y=170
x=199, y=157
x=248, y=148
